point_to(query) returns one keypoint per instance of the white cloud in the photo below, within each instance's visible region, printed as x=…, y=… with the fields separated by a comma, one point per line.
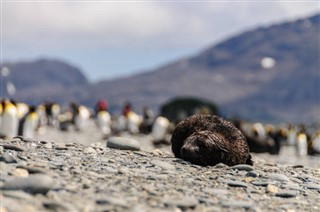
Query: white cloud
x=126, y=36
x=154, y=24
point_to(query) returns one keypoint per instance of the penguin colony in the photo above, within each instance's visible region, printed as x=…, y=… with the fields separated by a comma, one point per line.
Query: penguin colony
x=18, y=118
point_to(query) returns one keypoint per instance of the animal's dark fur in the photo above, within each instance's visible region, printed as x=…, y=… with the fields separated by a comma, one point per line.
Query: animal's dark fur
x=209, y=140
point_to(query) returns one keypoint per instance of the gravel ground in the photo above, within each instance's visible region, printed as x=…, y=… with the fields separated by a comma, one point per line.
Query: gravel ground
x=76, y=171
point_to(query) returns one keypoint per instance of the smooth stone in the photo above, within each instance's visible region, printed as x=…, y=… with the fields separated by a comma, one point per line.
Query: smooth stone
x=37, y=183
x=260, y=183
x=297, y=166
x=28, y=140
x=123, y=143
x=8, y=158
x=236, y=203
x=157, y=152
x=233, y=183
x=22, y=157
x=252, y=174
x=243, y=167
x=157, y=176
x=162, y=164
x=215, y=191
x=32, y=170
x=57, y=206
x=90, y=150
x=221, y=166
x=17, y=195
x=286, y=193
x=60, y=146
x=112, y=200
x=111, y=170
x=19, y=172
x=272, y=189
x=13, y=147
x=278, y=177
x=312, y=186
x=3, y=166
x=293, y=187
x=48, y=145
x=184, y=203
x=248, y=179
x=16, y=138
x=123, y=170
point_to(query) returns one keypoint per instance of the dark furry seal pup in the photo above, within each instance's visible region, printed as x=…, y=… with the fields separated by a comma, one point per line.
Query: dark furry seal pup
x=207, y=140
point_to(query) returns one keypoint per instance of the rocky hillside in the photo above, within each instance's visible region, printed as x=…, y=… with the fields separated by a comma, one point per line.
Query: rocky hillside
x=36, y=81
x=269, y=73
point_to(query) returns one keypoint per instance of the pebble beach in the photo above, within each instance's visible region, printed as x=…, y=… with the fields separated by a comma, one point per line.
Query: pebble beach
x=79, y=171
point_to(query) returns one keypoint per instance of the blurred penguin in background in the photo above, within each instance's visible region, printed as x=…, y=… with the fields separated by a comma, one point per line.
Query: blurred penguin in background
x=133, y=122
x=52, y=110
x=80, y=116
x=103, y=118
x=1, y=110
x=129, y=120
x=302, y=142
x=315, y=144
x=147, y=122
x=29, y=123
x=10, y=120
x=292, y=135
x=160, y=130
x=22, y=109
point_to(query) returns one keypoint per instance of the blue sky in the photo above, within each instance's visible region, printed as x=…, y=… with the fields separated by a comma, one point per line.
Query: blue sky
x=109, y=39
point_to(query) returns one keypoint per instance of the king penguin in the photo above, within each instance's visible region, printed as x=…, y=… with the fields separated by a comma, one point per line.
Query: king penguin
x=10, y=119
x=29, y=123
x=103, y=121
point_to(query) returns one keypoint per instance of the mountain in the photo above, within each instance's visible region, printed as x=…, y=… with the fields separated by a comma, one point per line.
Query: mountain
x=269, y=74
x=36, y=81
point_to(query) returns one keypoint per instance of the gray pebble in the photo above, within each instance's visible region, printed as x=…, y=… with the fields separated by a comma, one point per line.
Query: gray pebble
x=221, y=166
x=112, y=200
x=278, y=177
x=252, y=174
x=215, y=191
x=233, y=183
x=123, y=143
x=60, y=146
x=28, y=140
x=32, y=170
x=162, y=164
x=286, y=193
x=58, y=206
x=237, y=203
x=243, y=167
x=312, y=186
x=183, y=203
x=260, y=183
x=17, y=195
x=37, y=183
x=48, y=145
x=13, y=147
x=8, y=158
x=293, y=187
x=90, y=150
x=111, y=170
